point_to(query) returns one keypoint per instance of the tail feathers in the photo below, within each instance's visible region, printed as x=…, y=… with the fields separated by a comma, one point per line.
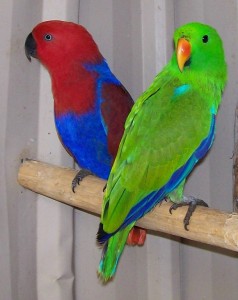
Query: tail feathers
x=111, y=254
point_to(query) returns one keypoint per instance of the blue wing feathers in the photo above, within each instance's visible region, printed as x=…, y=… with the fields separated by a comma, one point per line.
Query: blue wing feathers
x=89, y=152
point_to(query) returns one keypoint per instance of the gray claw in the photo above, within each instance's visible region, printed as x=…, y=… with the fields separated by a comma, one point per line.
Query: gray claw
x=79, y=177
x=192, y=203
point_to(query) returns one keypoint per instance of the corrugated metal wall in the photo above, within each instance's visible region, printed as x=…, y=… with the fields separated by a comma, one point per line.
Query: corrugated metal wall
x=48, y=250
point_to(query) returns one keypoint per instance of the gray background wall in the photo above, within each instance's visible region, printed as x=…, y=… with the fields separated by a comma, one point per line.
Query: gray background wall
x=48, y=250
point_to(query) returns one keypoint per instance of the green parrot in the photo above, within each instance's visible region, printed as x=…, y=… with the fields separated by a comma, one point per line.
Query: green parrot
x=170, y=128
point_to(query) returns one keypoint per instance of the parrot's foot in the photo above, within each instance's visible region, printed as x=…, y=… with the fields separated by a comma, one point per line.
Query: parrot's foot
x=79, y=177
x=192, y=204
x=136, y=236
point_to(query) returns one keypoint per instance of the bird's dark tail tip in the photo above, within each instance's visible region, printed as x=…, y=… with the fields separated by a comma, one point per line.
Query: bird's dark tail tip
x=102, y=236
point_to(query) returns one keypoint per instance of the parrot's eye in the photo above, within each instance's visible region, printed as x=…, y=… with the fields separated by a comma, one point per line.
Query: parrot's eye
x=205, y=38
x=48, y=37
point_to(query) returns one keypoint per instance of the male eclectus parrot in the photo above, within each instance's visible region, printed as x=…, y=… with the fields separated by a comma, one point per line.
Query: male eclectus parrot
x=90, y=103
x=169, y=129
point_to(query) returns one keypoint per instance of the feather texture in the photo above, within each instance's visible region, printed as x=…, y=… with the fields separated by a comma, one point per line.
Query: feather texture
x=90, y=103
x=170, y=128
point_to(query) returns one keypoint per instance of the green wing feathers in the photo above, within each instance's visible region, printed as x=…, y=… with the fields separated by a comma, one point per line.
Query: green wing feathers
x=133, y=173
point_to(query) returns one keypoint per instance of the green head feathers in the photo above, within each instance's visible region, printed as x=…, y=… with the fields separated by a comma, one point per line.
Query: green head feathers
x=206, y=49
x=199, y=56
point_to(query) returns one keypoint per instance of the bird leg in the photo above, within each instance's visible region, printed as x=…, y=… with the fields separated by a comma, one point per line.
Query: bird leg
x=192, y=203
x=79, y=177
x=136, y=236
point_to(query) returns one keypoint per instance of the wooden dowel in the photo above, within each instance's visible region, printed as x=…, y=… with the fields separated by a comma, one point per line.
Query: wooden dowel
x=207, y=225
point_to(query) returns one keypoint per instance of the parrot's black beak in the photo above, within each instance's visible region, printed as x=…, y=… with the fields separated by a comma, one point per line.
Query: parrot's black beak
x=30, y=47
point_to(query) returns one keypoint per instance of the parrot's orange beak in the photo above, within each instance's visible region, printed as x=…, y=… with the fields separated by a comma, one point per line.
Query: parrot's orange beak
x=183, y=52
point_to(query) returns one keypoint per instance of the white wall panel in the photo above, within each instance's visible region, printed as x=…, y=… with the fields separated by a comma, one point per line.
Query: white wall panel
x=54, y=221
x=18, y=110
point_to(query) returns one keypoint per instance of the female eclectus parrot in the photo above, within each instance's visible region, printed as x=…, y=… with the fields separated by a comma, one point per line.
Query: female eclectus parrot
x=90, y=103
x=169, y=129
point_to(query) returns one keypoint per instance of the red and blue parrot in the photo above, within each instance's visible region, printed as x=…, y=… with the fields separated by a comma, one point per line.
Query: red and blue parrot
x=90, y=103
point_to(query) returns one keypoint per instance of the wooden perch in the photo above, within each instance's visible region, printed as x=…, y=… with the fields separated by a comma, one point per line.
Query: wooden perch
x=208, y=226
